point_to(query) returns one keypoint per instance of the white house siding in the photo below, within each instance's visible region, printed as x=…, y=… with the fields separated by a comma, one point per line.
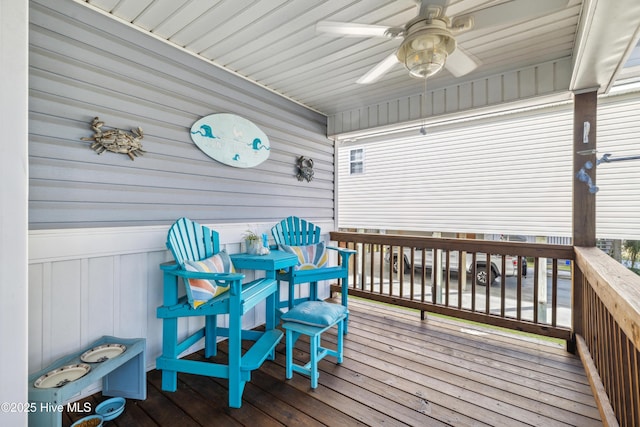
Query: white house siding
x=84, y=64
x=488, y=176
x=508, y=174
x=98, y=223
x=618, y=198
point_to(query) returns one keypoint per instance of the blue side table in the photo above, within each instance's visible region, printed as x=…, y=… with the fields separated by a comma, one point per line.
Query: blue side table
x=123, y=376
x=270, y=264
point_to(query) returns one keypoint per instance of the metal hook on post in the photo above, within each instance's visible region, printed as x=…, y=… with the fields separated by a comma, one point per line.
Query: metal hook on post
x=583, y=175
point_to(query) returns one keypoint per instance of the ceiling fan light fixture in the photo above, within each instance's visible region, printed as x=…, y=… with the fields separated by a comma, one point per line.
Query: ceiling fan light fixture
x=424, y=63
x=424, y=52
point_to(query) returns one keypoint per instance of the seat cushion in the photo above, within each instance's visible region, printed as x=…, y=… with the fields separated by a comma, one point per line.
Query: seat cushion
x=200, y=291
x=315, y=313
x=309, y=256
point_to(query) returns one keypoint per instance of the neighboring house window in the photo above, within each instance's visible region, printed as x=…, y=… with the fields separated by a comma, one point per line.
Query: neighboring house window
x=356, y=161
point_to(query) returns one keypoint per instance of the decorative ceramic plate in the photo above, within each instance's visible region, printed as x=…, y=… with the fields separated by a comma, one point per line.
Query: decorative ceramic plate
x=102, y=352
x=231, y=139
x=61, y=376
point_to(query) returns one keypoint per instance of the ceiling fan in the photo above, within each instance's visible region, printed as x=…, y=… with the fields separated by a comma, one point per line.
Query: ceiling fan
x=428, y=40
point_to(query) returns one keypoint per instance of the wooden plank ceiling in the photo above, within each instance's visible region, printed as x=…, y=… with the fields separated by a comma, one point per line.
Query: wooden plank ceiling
x=275, y=42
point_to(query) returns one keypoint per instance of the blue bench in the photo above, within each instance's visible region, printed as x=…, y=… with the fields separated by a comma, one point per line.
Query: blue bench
x=313, y=318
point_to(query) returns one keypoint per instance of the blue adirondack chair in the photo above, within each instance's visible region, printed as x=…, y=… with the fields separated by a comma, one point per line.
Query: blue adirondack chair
x=303, y=238
x=196, y=251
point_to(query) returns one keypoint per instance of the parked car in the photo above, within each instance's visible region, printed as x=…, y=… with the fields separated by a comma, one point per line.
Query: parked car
x=511, y=263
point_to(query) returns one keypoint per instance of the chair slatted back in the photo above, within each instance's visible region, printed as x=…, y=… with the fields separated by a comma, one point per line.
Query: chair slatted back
x=188, y=240
x=293, y=231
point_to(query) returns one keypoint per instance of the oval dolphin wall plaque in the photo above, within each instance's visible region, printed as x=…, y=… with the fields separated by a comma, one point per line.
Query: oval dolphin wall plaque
x=231, y=139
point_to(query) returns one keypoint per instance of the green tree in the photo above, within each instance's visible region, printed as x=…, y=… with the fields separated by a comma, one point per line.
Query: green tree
x=632, y=250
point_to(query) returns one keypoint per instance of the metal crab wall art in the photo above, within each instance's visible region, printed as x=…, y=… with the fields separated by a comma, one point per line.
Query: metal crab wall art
x=116, y=140
x=305, y=169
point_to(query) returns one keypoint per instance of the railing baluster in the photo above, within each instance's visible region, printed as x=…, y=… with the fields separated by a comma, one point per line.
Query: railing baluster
x=353, y=262
x=403, y=285
x=618, y=367
x=391, y=262
x=536, y=290
x=363, y=264
x=381, y=268
x=423, y=275
x=401, y=269
x=474, y=266
x=503, y=285
x=462, y=270
x=487, y=291
x=611, y=350
x=413, y=274
x=372, y=264
x=554, y=291
x=447, y=276
x=519, y=292
x=634, y=382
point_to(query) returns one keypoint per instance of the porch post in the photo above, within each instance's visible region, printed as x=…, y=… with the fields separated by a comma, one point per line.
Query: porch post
x=584, y=201
x=14, y=189
x=584, y=147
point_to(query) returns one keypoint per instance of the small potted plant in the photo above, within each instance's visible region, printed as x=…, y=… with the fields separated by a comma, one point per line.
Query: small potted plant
x=252, y=240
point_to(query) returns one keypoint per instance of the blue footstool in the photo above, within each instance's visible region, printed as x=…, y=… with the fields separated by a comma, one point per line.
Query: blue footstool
x=312, y=318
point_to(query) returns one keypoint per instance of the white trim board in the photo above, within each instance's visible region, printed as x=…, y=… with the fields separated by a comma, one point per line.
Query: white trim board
x=80, y=243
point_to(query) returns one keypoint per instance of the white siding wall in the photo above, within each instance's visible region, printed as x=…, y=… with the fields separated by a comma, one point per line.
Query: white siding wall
x=84, y=64
x=489, y=176
x=508, y=174
x=618, y=200
x=98, y=223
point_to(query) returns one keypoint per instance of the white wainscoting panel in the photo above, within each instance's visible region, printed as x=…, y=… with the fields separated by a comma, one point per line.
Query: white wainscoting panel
x=86, y=283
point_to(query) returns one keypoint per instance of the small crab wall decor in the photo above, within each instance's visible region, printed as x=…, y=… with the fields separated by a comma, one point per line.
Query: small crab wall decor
x=305, y=168
x=115, y=140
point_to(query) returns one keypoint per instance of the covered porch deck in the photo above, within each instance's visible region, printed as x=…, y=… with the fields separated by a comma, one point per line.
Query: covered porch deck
x=398, y=370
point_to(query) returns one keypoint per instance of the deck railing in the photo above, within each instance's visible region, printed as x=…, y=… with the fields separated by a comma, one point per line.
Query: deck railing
x=607, y=326
x=378, y=271
x=600, y=317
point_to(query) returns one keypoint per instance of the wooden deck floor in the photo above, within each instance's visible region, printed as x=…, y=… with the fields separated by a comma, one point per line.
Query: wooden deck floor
x=398, y=370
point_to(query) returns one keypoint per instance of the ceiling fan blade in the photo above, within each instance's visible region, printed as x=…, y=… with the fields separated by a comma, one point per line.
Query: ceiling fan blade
x=379, y=70
x=513, y=11
x=460, y=63
x=351, y=29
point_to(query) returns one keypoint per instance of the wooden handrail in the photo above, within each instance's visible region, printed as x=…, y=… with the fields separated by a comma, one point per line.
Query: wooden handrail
x=616, y=286
x=609, y=335
x=487, y=246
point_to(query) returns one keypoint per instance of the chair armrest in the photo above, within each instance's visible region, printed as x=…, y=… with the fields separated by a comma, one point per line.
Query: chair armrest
x=344, y=253
x=342, y=250
x=218, y=277
x=232, y=280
